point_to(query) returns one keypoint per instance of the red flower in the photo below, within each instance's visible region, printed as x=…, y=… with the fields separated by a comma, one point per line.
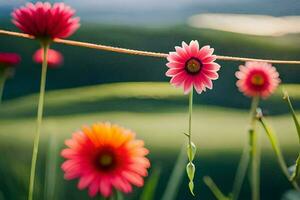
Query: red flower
x=45, y=21
x=105, y=157
x=54, y=58
x=9, y=59
x=257, y=79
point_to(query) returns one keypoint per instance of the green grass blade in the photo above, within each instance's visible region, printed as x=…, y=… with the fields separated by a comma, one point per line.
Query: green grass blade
x=296, y=173
x=51, y=166
x=287, y=98
x=214, y=188
x=149, y=189
x=176, y=176
x=241, y=173
x=275, y=146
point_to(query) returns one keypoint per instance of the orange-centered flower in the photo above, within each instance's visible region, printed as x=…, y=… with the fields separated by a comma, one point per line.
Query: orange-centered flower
x=257, y=79
x=105, y=157
x=191, y=67
x=45, y=21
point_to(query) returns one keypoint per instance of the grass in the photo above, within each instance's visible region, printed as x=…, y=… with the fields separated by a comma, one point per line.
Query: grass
x=158, y=114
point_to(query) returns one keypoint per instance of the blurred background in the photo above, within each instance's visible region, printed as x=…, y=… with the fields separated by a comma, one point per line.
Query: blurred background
x=133, y=91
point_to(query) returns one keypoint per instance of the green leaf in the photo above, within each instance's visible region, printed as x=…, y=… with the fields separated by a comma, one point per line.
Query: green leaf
x=287, y=98
x=190, y=170
x=149, y=189
x=191, y=151
x=275, y=146
x=296, y=173
x=191, y=186
x=214, y=189
x=176, y=176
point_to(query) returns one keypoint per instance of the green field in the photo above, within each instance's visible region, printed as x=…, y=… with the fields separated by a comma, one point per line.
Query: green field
x=158, y=114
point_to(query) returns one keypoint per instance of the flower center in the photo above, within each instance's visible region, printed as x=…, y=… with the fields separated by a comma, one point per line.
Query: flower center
x=257, y=80
x=193, y=66
x=105, y=160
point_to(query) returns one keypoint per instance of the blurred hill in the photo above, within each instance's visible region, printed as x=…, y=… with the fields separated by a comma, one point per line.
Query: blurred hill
x=84, y=67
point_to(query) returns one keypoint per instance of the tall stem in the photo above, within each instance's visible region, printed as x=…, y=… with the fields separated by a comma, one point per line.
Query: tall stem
x=241, y=173
x=190, y=116
x=3, y=77
x=254, y=152
x=45, y=47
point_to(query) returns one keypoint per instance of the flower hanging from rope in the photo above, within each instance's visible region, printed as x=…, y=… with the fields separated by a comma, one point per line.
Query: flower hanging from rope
x=44, y=21
x=257, y=79
x=192, y=67
x=105, y=157
x=55, y=58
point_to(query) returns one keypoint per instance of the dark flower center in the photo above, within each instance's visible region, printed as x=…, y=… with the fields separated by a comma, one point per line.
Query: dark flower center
x=105, y=159
x=193, y=66
x=257, y=80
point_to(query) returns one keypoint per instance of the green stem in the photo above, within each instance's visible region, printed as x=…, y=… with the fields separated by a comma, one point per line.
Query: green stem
x=254, y=151
x=3, y=77
x=241, y=173
x=45, y=46
x=214, y=188
x=276, y=148
x=190, y=116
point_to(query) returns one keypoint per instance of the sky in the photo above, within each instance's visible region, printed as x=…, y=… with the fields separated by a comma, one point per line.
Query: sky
x=164, y=12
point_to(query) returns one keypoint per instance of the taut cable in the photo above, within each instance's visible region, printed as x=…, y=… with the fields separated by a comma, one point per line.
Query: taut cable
x=141, y=53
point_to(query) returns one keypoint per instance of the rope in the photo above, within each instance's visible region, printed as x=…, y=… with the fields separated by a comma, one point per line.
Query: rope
x=141, y=53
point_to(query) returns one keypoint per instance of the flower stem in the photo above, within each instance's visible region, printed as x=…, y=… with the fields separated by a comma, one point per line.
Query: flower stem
x=241, y=173
x=276, y=148
x=190, y=116
x=191, y=149
x=254, y=151
x=3, y=77
x=45, y=47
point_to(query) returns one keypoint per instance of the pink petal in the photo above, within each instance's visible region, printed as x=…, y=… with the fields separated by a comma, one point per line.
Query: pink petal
x=204, y=52
x=211, y=75
x=173, y=72
x=173, y=64
x=194, y=47
x=179, y=78
x=105, y=188
x=188, y=83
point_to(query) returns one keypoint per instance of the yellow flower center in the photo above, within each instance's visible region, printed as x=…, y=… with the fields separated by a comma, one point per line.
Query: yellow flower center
x=105, y=160
x=193, y=65
x=257, y=80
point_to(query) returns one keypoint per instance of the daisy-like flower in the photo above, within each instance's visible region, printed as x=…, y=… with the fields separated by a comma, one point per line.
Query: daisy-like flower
x=105, y=157
x=54, y=58
x=9, y=59
x=44, y=21
x=257, y=79
x=192, y=67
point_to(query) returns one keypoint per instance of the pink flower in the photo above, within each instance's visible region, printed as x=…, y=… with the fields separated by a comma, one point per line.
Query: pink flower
x=54, y=58
x=9, y=59
x=105, y=157
x=44, y=21
x=190, y=66
x=257, y=79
